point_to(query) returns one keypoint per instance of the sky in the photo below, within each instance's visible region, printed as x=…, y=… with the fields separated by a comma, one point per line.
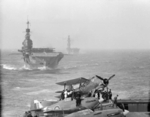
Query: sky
x=91, y=24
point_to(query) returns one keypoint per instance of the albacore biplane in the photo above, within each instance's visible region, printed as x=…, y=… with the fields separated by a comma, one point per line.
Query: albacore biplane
x=86, y=86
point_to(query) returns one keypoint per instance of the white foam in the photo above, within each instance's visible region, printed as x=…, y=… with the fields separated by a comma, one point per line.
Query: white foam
x=8, y=67
x=25, y=67
x=28, y=67
x=44, y=68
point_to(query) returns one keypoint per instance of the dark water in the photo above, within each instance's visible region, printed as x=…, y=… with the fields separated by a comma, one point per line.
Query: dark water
x=20, y=85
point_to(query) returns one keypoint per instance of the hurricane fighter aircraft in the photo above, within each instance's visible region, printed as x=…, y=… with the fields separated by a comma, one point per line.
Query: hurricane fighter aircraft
x=45, y=108
x=86, y=86
x=90, y=107
x=114, y=112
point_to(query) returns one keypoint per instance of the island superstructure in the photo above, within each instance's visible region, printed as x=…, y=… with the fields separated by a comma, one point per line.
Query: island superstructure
x=71, y=50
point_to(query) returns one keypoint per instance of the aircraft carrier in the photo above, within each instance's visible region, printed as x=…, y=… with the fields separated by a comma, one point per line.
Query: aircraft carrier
x=37, y=57
x=70, y=50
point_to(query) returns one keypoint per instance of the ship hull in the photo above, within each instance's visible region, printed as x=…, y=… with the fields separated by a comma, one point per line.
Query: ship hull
x=50, y=61
x=136, y=105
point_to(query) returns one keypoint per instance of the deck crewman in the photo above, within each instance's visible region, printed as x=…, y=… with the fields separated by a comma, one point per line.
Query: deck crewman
x=78, y=98
x=110, y=94
x=65, y=94
x=115, y=100
x=62, y=95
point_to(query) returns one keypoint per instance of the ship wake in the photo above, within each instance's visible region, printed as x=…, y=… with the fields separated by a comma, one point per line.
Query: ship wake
x=8, y=67
x=24, y=67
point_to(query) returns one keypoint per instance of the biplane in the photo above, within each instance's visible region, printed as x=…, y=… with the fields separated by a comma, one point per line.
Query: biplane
x=86, y=86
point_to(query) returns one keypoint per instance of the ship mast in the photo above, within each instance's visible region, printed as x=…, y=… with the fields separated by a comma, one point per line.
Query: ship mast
x=28, y=30
x=69, y=45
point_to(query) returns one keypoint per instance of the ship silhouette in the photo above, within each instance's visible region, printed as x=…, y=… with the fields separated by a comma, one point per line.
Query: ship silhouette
x=71, y=50
x=37, y=57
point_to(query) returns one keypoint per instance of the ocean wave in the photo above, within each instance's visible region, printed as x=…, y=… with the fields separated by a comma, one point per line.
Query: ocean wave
x=9, y=113
x=25, y=68
x=75, y=66
x=122, y=94
x=69, y=67
x=80, y=65
x=8, y=67
x=39, y=92
x=11, y=67
x=44, y=68
x=21, y=88
x=16, y=88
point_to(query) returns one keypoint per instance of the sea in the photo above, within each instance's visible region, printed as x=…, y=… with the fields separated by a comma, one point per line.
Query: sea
x=21, y=84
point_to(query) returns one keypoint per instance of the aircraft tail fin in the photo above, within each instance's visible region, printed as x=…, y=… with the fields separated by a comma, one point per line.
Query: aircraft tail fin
x=35, y=105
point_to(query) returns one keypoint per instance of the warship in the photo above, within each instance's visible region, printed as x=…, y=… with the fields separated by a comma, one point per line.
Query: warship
x=38, y=57
x=71, y=50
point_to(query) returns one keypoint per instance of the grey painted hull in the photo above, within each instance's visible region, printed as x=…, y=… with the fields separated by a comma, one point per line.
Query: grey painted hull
x=48, y=60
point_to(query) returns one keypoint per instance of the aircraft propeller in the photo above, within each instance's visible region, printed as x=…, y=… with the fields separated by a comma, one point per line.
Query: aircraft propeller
x=105, y=80
x=111, y=77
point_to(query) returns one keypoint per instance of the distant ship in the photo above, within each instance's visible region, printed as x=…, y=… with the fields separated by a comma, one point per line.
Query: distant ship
x=71, y=50
x=36, y=57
